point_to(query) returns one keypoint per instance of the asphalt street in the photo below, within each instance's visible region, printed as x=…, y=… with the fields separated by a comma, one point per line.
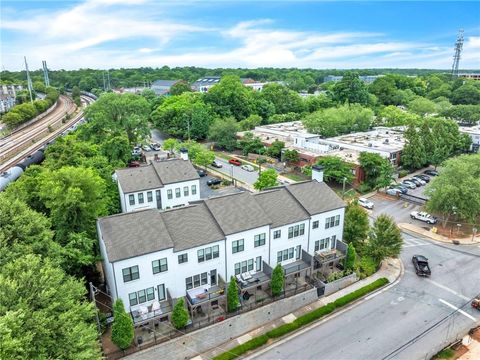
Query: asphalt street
x=383, y=324
x=248, y=177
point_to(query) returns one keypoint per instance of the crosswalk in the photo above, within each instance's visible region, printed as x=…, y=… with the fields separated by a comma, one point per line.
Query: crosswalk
x=410, y=242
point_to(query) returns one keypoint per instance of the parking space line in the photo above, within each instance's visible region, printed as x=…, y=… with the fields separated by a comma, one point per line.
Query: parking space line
x=458, y=309
x=448, y=289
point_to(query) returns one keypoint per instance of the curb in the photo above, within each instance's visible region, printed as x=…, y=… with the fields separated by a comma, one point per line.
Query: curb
x=425, y=237
x=328, y=317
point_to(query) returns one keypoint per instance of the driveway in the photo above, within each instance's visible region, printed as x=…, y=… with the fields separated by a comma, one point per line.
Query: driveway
x=207, y=192
x=411, y=320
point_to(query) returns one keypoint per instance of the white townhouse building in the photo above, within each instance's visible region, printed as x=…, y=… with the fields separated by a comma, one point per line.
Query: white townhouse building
x=159, y=185
x=151, y=257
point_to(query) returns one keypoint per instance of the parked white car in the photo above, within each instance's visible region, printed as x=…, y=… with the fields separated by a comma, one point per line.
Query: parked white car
x=367, y=204
x=394, y=191
x=423, y=216
x=137, y=151
x=248, y=168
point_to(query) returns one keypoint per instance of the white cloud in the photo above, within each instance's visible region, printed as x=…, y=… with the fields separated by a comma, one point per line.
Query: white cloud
x=134, y=33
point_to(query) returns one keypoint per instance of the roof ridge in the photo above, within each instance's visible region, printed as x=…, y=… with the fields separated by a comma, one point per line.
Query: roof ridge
x=213, y=216
x=298, y=201
x=131, y=213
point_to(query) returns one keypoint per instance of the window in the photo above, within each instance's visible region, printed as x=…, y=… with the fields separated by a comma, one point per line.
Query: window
x=203, y=278
x=159, y=265
x=185, y=191
x=130, y=274
x=132, y=297
x=142, y=296
x=216, y=251
x=258, y=263
x=237, y=246
x=169, y=194
x=259, y=240
x=285, y=255
x=247, y=265
x=182, y=258
x=140, y=198
x=237, y=269
x=208, y=253
x=250, y=264
x=290, y=253
x=244, y=267
x=131, y=199
x=177, y=192
x=161, y=292
x=297, y=230
x=213, y=277
x=277, y=234
x=315, y=225
x=149, y=196
x=196, y=280
x=279, y=256
x=188, y=283
x=150, y=294
x=332, y=221
x=194, y=189
x=201, y=255
x=323, y=244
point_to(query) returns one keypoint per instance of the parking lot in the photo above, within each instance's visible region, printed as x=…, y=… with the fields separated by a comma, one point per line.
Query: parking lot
x=206, y=191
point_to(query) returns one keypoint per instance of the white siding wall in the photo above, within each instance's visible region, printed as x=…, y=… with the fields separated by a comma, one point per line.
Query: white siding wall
x=284, y=242
x=182, y=200
x=125, y=199
x=173, y=278
x=249, y=252
x=107, y=266
x=321, y=232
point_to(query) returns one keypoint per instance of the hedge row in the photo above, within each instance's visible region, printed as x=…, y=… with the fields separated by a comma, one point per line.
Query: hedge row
x=301, y=321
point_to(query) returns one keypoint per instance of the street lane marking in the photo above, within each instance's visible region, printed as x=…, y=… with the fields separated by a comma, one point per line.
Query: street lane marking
x=458, y=309
x=448, y=289
x=407, y=246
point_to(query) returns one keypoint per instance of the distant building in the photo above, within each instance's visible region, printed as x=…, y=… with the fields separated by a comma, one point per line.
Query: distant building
x=367, y=79
x=130, y=90
x=162, y=87
x=474, y=133
x=204, y=84
x=472, y=76
x=8, y=94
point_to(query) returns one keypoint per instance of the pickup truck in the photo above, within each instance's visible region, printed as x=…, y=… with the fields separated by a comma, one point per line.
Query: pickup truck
x=420, y=263
x=423, y=216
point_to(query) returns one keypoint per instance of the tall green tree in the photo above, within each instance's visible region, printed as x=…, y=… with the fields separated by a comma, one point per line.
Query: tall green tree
x=466, y=94
x=180, y=88
x=283, y=99
x=122, y=328
x=267, y=179
x=275, y=149
x=384, y=239
x=232, y=295
x=44, y=313
x=179, y=314
x=377, y=169
x=291, y=156
x=277, y=281
x=414, y=155
x=351, y=257
x=170, y=144
x=224, y=133
x=456, y=191
x=351, y=89
x=251, y=144
x=335, y=169
x=204, y=158
x=355, y=229
x=231, y=98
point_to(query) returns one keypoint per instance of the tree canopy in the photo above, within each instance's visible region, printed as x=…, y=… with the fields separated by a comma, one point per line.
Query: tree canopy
x=267, y=179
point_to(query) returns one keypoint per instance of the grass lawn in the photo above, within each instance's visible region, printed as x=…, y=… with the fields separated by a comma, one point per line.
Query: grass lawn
x=296, y=177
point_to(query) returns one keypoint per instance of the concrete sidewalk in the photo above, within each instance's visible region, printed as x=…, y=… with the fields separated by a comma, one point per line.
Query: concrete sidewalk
x=431, y=235
x=391, y=269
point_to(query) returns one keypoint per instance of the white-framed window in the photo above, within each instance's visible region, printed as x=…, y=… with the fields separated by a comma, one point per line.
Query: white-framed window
x=244, y=266
x=160, y=265
x=131, y=199
x=297, y=230
x=194, y=189
x=130, y=273
x=169, y=194
x=259, y=240
x=332, y=221
x=185, y=191
x=322, y=244
x=277, y=234
x=315, y=224
x=237, y=246
x=196, y=280
x=208, y=253
x=132, y=298
x=298, y=252
x=177, y=193
x=258, y=263
x=285, y=255
x=149, y=196
x=140, y=198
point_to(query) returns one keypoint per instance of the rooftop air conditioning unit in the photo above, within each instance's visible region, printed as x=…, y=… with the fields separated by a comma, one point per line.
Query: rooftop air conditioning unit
x=386, y=141
x=370, y=144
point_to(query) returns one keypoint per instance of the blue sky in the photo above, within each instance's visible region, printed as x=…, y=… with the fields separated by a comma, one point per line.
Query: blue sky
x=317, y=34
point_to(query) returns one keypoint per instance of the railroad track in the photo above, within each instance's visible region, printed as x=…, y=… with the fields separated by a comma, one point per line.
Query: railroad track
x=32, y=139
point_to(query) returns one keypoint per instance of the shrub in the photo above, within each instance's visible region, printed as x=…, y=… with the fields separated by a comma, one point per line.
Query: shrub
x=180, y=315
x=232, y=295
x=402, y=173
x=282, y=330
x=367, y=266
x=364, y=188
x=241, y=349
x=122, y=328
x=445, y=354
x=277, y=280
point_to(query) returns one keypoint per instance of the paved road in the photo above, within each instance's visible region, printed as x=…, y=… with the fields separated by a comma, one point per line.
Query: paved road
x=387, y=321
x=248, y=177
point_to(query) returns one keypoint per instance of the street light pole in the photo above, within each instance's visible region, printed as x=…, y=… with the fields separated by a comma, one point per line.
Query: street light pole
x=231, y=175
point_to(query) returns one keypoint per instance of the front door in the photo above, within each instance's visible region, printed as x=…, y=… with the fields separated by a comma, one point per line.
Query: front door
x=213, y=277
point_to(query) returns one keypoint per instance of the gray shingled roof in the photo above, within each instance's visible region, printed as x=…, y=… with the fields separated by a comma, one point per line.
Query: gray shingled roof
x=175, y=170
x=237, y=212
x=134, y=234
x=316, y=197
x=164, y=83
x=281, y=207
x=192, y=226
x=138, y=179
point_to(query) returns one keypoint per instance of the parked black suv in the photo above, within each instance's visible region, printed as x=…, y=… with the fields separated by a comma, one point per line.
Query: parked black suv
x=420, y=263
x=431, y=172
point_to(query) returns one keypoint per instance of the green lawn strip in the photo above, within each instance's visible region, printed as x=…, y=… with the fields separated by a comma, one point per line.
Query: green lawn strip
x=295, y=177
x=301, y=321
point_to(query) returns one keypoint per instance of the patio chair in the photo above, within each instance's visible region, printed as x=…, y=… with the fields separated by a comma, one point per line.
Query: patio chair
x=241, y=281
x=246, y=276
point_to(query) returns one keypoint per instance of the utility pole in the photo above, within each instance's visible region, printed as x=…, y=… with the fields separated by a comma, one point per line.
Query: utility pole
x=45, y=73
x=29, y=80
x=457, y=54
x=108, y=77
x=92, y=297
x=103, y=74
